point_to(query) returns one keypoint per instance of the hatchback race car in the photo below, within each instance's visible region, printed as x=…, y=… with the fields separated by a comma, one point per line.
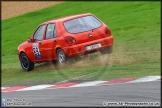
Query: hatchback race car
x=63, y=38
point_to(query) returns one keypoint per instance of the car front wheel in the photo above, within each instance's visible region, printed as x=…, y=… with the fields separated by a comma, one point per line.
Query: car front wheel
x=26, y=63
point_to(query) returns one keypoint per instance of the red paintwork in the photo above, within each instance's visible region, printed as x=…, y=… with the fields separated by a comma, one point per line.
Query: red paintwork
x=48, y=46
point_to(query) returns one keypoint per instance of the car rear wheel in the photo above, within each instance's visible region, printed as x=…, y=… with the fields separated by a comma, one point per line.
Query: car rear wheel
x=107, y=50
x=26, y=63
x=61, y=57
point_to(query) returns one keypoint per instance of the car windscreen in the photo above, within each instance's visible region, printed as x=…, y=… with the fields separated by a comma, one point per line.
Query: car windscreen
x=82, y=24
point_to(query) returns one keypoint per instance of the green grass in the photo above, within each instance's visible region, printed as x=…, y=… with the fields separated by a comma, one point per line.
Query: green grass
x=134, y=25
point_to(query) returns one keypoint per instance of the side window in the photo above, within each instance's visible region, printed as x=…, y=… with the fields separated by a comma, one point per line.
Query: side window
x=39, y=33
x=50, y=32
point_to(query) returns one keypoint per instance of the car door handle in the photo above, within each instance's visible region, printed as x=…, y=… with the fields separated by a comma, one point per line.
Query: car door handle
x=40, y=43
x=54, y=41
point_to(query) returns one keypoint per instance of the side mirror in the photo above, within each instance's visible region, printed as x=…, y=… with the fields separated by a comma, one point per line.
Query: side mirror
x=29, y=40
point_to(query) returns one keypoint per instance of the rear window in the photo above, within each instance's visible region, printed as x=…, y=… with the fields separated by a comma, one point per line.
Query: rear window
x=82, y=24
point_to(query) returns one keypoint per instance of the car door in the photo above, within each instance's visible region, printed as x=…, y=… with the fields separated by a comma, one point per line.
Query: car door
x=48, y=44
x=36, y=44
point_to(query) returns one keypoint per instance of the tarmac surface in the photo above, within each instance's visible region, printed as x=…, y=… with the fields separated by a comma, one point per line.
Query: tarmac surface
x=127, y=94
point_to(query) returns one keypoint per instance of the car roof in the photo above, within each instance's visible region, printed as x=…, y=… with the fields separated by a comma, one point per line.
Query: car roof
x=66, y=18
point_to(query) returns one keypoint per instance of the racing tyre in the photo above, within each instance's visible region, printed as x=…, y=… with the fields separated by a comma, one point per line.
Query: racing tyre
x=107, y=50
x=26, y=63
x=61, y=57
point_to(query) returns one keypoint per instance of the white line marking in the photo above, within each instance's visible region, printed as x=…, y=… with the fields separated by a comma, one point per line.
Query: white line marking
x=90, y=83
x=37, y=87
x=3, y=88
x=145, y=79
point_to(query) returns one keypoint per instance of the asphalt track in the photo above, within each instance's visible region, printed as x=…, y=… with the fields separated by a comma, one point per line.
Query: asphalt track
x=127, y=93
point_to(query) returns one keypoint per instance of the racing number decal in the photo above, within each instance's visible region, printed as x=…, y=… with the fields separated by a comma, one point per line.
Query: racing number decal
x=36, y=51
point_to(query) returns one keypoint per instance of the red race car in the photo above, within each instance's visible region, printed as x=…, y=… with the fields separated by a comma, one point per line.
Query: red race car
x=63, y=38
